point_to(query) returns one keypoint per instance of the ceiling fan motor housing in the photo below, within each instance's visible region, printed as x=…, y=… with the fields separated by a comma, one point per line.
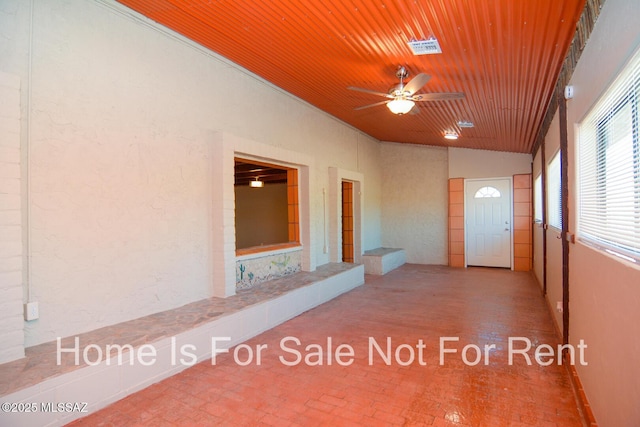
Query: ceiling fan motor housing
x=402, y=72
x=396, y=90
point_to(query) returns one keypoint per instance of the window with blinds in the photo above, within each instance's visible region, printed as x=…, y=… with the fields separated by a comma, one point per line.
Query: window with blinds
x=537, y=199
x=609, y=168
x=554, y=196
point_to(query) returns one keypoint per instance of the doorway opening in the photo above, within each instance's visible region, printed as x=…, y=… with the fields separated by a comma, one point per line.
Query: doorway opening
x=488, y=220
x=347, y=222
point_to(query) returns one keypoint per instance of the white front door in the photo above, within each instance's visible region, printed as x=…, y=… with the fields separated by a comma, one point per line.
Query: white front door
x=488, y=222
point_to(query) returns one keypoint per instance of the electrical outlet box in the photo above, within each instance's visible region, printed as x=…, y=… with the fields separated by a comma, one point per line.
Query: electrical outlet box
x=559, y=306
x=31, y=311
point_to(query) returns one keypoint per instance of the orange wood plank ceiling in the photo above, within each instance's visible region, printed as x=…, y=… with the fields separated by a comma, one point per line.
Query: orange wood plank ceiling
x=505, y=55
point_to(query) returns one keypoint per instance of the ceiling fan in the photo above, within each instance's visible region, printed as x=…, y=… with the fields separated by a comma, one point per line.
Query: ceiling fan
x=402, y=97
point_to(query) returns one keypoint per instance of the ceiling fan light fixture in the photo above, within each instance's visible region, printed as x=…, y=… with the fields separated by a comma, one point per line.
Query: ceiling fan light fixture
x=400, y=105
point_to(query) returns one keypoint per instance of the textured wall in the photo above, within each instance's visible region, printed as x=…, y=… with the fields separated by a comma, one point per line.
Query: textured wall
x=466, y=163
x=11, y=293
x=122, y=199
x=415, y=206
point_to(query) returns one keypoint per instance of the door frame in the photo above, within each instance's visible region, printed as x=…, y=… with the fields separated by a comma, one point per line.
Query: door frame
x=346, y=211
x=466, y=216
x=336, y=176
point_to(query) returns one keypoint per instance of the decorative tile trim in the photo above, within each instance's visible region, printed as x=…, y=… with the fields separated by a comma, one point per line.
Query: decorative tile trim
x=255, y=270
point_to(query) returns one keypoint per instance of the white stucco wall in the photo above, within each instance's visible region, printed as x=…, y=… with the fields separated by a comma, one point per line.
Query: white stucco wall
x=415, y=201
x=467, y=163
x=11, y=247
x=122, y=116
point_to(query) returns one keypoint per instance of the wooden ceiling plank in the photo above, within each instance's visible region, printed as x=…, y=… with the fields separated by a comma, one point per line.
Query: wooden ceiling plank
x=314, y=49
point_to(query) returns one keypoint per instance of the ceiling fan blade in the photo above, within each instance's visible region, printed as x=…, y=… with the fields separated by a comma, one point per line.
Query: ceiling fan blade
x=371, y=105
x=373, y=92
x=438, y=96
x=416, y=83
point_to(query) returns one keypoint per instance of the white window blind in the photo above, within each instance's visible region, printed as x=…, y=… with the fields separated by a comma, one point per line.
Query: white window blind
x=609, y=168
x=554, y=200
x=537, y=199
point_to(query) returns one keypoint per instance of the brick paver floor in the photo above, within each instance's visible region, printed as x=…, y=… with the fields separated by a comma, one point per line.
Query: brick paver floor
x=374, y=357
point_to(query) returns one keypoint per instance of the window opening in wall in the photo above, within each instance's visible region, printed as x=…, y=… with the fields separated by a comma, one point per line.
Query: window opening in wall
x=487, y=192
x=537, y=199
x=347, y=221
x=609, y=168
x=266, y=215
x=554, y=201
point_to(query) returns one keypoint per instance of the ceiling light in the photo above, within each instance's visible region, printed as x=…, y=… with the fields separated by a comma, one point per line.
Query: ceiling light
x=256, y=183
x=450, y=135
x=400, y=105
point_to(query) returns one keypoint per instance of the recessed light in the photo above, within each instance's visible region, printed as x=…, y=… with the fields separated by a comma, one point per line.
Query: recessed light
x=450, y=135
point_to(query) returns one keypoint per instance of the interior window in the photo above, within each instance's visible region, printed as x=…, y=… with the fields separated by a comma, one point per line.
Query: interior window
x=266, y=207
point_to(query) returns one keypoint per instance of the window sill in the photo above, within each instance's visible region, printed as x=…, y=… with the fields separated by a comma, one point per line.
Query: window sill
x=260, y=251
x=619, y=256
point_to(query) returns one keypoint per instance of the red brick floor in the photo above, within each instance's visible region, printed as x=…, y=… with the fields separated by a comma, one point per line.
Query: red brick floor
x=479, y=306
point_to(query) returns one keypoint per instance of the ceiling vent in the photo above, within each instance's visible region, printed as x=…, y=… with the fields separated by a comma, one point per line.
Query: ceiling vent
x=425, y=47
x=465, y=124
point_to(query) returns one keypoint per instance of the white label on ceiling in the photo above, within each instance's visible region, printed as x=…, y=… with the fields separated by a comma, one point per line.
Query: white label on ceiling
x=425, y=47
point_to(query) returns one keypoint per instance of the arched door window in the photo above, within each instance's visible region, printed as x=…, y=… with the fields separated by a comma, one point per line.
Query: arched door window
x=487, y=192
